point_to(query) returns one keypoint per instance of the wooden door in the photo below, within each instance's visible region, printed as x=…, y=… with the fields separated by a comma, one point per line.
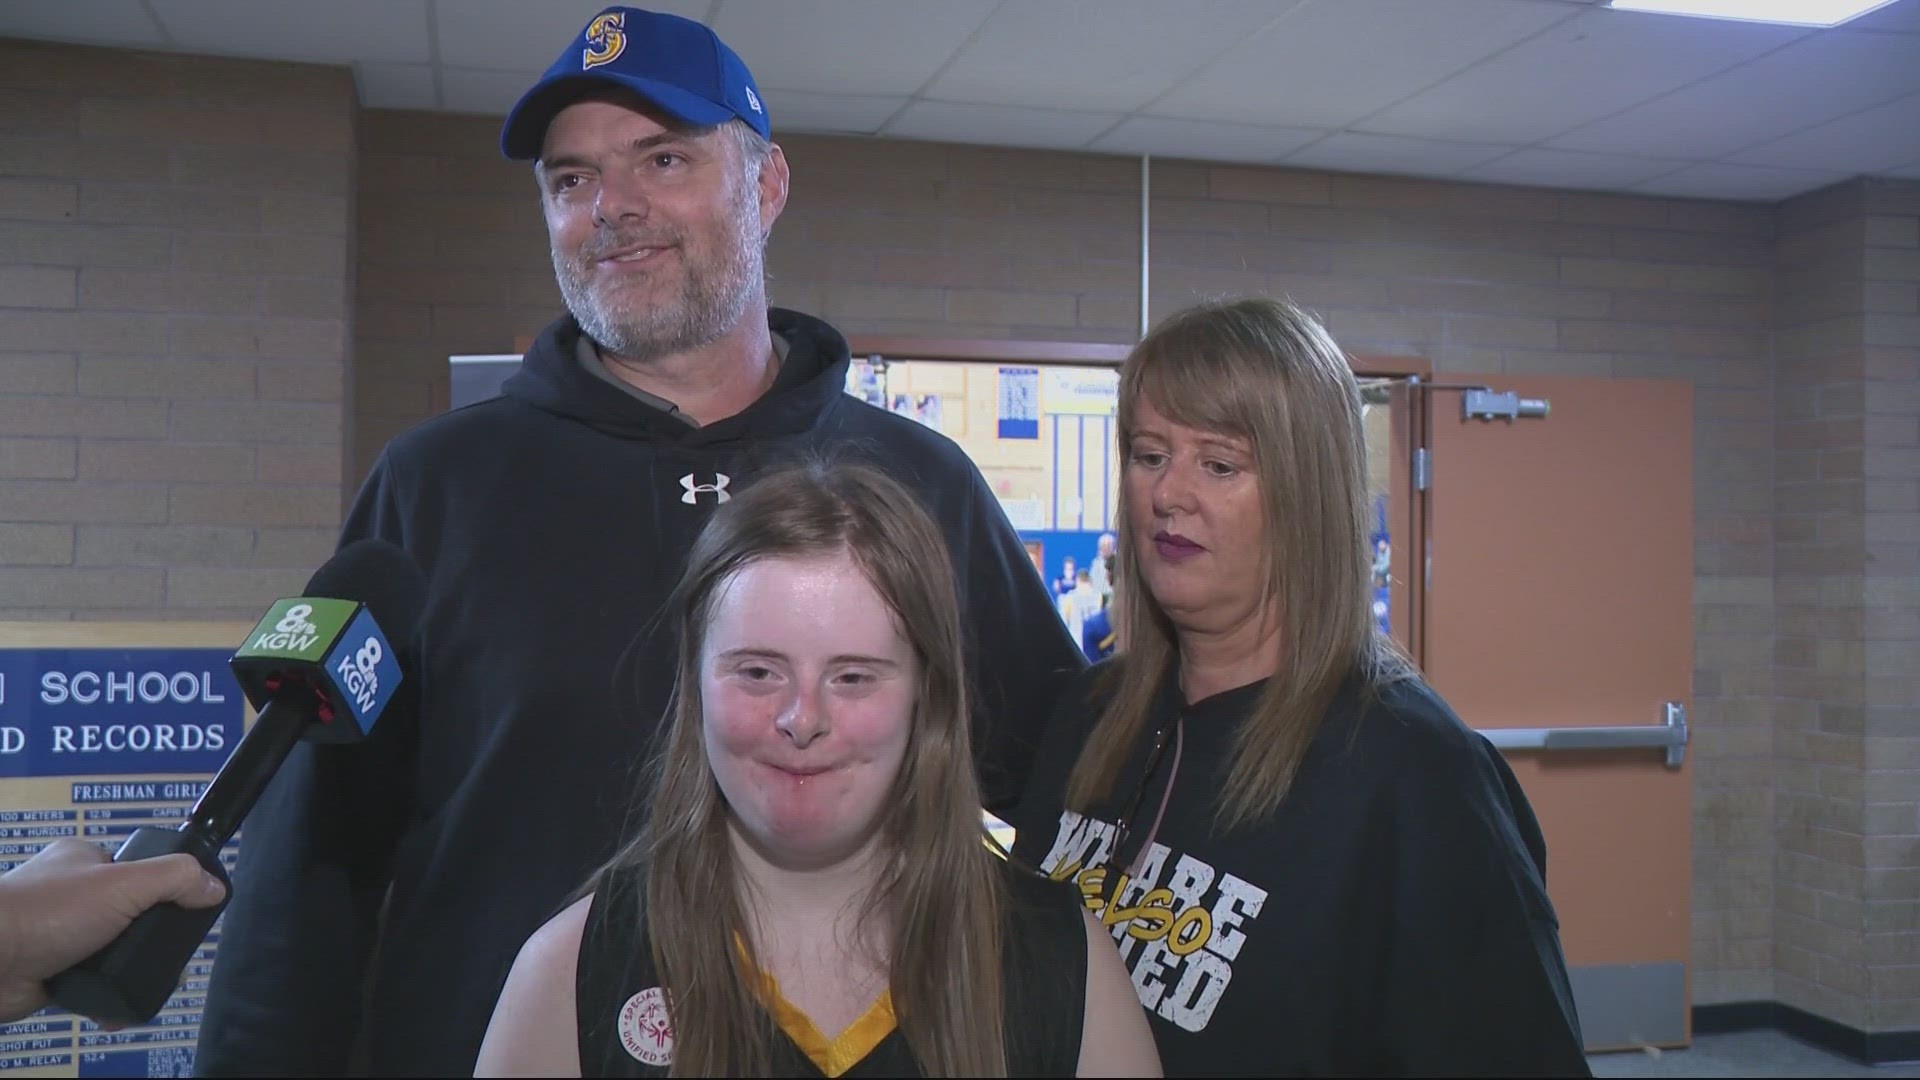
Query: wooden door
x=1557, y=594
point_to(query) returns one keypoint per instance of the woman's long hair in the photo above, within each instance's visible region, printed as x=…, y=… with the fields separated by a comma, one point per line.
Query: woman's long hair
x=939, y=891
x=1265, y=371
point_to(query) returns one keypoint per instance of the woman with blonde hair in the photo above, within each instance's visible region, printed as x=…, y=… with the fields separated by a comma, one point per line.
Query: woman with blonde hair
x=811, y=893
x=1311, y=866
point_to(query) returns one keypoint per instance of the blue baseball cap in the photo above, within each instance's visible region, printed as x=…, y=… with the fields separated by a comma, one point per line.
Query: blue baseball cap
x=677, y=64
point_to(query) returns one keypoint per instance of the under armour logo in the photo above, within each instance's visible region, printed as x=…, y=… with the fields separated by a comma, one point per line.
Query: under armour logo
x=693, y=490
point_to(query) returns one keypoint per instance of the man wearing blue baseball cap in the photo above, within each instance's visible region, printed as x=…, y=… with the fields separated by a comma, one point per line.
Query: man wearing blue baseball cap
x=384, y=889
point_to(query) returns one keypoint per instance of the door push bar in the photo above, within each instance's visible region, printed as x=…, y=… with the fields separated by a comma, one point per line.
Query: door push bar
x=1670, y=736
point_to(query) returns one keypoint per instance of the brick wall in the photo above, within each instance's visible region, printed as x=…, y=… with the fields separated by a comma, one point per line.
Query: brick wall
x=928, y=238
x=1818, y=655
x=1890, y=536
x=1847, y=584
x=452, y=260
x=173, y=326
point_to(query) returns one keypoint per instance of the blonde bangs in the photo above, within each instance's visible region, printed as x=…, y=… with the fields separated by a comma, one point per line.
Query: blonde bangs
x=1194, y=374
x=1267, y=372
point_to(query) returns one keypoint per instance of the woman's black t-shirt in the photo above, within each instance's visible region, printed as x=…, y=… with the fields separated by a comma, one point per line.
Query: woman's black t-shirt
x=1390, y=917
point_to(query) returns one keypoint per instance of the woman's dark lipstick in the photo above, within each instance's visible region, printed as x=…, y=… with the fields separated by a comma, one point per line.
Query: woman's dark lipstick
x=1175, y=548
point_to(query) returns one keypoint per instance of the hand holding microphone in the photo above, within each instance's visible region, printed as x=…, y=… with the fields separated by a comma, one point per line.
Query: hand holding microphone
x=69, y=900
x=320, y=667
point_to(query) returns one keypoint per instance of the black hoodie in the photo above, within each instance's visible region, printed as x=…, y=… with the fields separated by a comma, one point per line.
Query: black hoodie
x=551, y=523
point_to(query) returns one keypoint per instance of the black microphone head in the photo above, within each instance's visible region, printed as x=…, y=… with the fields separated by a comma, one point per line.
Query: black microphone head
x=384, y=578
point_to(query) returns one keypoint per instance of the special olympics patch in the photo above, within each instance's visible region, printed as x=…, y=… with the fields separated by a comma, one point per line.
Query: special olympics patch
x=644, y=1028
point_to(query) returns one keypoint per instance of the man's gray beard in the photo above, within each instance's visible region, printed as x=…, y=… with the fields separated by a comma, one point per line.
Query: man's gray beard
x=711, y=302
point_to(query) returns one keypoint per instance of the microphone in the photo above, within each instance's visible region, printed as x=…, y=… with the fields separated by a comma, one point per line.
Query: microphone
x=321, y=667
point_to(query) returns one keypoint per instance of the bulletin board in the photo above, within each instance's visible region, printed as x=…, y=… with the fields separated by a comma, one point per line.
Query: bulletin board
x=104, y=728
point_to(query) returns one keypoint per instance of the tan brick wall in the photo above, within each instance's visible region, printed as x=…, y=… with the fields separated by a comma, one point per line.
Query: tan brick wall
x=452, y=260
x=1847, y=582
x=927, y=238
x=1819, y=555
x=1890, y=624
x=174, y=257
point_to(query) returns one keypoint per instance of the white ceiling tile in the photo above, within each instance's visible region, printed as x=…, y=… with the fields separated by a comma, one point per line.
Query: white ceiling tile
x=86, y=22
x=1114, y=55
x=1865, y=142
x=1000, y=125
x=395, y=86
x=1589, y=67
x=1746, y=183
x=488, y=93
x=1201, y=140
x=337, y=31
x=518, y=35
x=1810, y=81
x=798, y=111
x=1900, y=17
x=1429, y=87
x=1331, y=62
x=847, y=46
x=1350, y=151
x=1565, y=168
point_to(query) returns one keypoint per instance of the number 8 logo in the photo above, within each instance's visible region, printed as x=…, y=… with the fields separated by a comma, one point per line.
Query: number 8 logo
x=369, y=655
x=294, y=619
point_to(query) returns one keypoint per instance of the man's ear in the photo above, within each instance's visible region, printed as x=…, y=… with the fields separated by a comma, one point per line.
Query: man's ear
x=773, y=189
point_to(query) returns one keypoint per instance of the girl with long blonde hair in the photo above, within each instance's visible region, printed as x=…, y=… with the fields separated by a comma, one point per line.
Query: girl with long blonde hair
x=810, y=893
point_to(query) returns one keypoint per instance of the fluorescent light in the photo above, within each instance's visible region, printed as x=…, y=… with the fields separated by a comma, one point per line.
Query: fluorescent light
x=1791, y=12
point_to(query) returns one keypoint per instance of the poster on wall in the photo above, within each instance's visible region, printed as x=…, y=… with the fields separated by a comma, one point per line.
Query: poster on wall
x=1019, y=403
x=1382, y=541
x=1080, y=391
x=867, y=381
x=1025, y=515
x=96, y=742
x=926, y=408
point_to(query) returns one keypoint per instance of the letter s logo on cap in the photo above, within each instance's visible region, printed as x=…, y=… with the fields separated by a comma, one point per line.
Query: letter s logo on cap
x=606, y=40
